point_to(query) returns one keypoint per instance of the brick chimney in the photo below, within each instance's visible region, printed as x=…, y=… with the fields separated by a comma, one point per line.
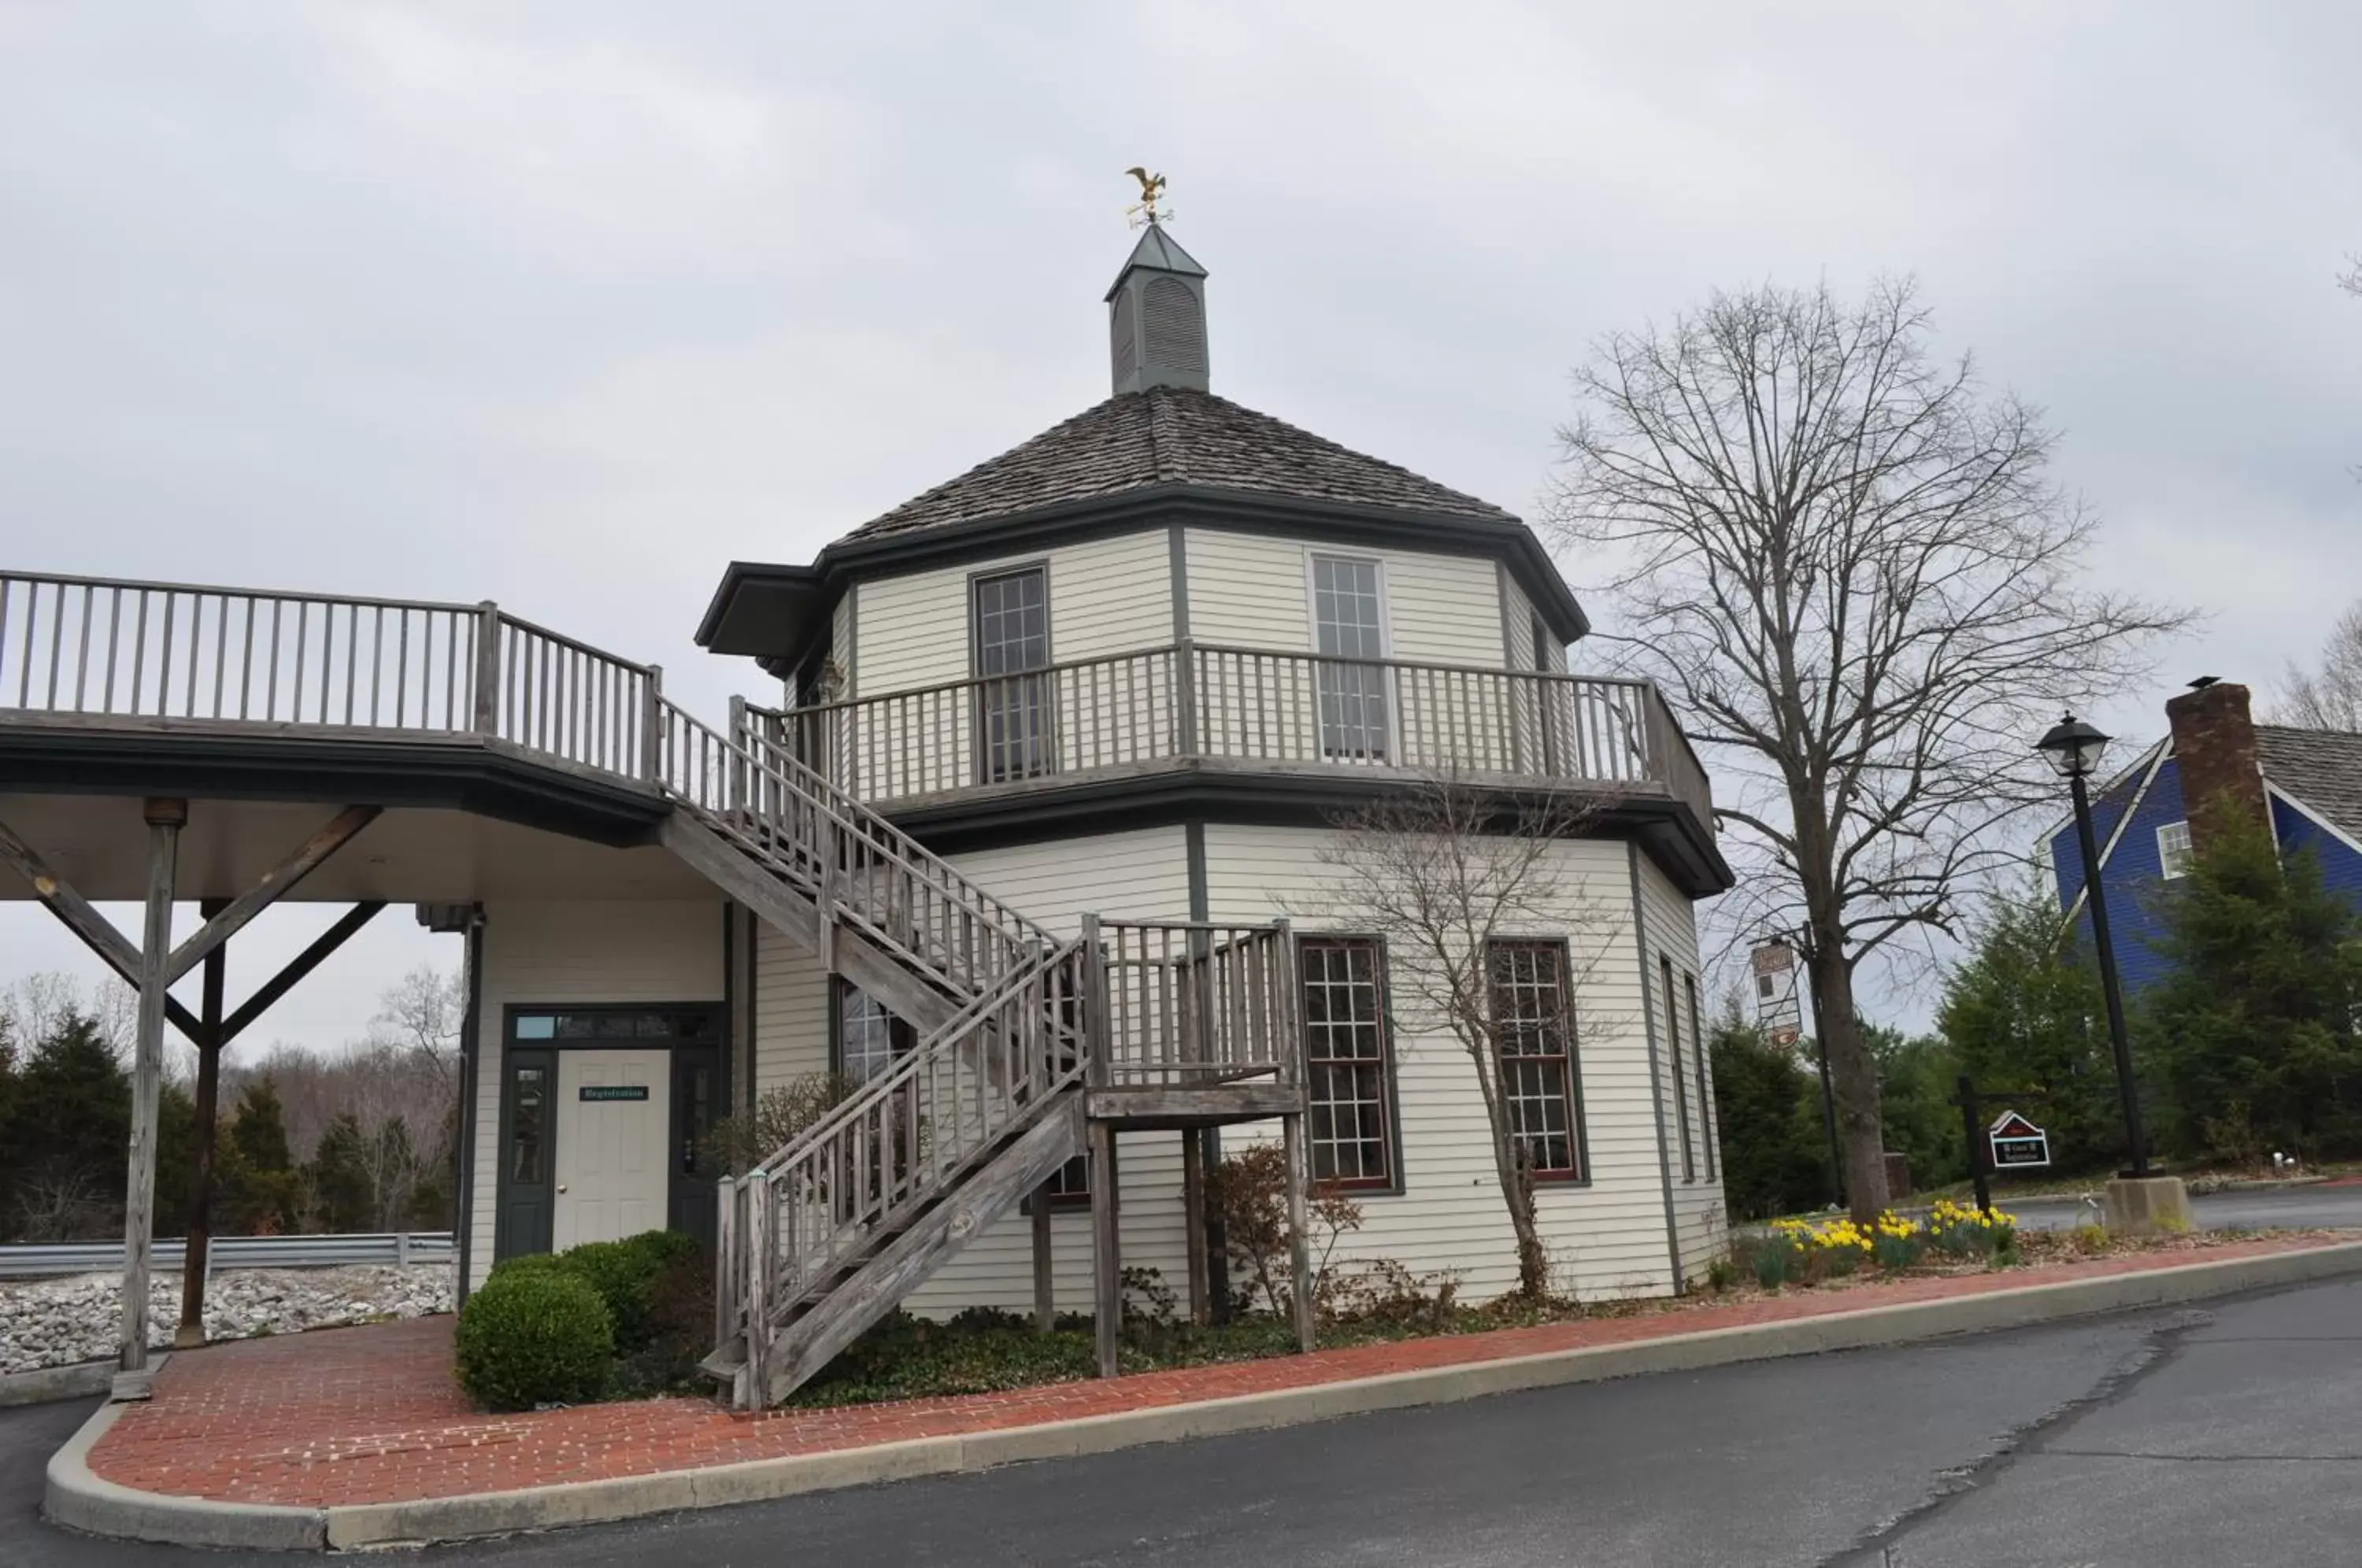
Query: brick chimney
x=2214, y=742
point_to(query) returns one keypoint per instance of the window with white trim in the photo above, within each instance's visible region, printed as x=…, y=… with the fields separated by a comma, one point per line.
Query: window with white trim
x=2173, y=850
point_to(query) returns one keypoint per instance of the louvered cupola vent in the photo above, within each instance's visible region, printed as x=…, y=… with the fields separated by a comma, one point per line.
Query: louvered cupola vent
x=1156, y=318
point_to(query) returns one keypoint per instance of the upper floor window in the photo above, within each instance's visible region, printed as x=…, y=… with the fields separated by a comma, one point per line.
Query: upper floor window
x=1533, y=1032
x=2173, y=850
x=1010, y=619
x=1349, y=622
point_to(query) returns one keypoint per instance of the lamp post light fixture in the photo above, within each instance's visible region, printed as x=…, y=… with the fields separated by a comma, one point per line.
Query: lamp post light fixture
x=2073, y=749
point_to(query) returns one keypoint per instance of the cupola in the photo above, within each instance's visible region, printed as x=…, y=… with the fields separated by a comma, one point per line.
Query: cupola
x=1156, y=316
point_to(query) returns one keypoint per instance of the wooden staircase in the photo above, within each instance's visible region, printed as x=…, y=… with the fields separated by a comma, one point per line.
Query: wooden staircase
x=1031, y=1049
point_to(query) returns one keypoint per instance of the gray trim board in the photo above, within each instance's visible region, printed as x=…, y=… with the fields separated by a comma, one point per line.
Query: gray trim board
x=1656, y=1073
x=1176, y=568
x=471, y=1078
x=1682, y=847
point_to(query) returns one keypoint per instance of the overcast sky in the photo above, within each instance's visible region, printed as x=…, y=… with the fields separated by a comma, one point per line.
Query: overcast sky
x=567, y=305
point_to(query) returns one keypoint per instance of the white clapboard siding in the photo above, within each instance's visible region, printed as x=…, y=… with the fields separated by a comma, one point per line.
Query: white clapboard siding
x=1606, y=1238
x=1517, y=622
x=791, y=1011
x=1672, y=929
x=1135, y=876
x=1110, y=595
x=843, y=645
x=1250, y=590
x=577, y=953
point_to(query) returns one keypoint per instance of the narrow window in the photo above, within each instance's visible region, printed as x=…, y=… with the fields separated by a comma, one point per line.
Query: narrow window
x=1010, y=630
x=1533, y=1031
x=1069, y=1186
x=868, y=1037
x=1704, y=1079
x=1347, y=622
x=1680, y=1078
x=528, y=1127
x=2173, y=850
x=1351, y=1121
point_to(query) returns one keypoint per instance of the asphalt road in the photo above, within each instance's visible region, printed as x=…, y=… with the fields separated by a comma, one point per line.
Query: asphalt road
x=2171, y=1440
x=2294, y=1208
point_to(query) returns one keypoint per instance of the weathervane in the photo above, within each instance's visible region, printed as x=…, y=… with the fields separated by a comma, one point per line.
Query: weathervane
x=1152, y=191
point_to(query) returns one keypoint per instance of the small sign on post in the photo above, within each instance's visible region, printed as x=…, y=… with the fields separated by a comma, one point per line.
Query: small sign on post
x=1777, y=1009
x=2017, y=1143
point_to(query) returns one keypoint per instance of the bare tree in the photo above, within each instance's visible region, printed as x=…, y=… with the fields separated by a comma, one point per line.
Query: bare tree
x=2329, y=698
x=1847, y=562
x=1446, y=874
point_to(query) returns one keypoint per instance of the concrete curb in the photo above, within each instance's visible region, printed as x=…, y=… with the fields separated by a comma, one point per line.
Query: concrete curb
x=49, y=1385
x=81, y=1499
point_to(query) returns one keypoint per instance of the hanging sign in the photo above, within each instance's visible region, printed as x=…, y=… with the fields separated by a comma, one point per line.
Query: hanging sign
x=615, y=1092
x=1776, y=1006
x=2017, y=1143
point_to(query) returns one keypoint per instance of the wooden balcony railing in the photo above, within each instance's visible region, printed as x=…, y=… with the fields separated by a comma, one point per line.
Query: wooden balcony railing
x=1192, y=1005
x=118, y=653
x=1201, y=702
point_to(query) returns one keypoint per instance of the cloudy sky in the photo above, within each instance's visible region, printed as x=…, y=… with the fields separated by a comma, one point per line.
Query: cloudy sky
x=567, y=305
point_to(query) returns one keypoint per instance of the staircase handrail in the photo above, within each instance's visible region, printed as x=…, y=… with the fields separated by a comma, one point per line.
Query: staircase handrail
x=953, y=1034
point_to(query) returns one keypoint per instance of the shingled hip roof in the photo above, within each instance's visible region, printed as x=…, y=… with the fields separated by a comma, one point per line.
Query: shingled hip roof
x=1172, y=435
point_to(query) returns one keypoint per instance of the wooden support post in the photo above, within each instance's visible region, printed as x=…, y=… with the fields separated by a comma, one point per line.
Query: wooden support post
x=196, y=1257
x=1300, y=1239
x=487, y=715
x=762, y=1248
x=1192, y=1208
x=1106, y=1249
x=726, y=1262
x=1045, y=1290
x=165, y=818
x=652, y=736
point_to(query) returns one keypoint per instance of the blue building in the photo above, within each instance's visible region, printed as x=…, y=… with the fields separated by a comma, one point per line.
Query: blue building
x=2306, y=784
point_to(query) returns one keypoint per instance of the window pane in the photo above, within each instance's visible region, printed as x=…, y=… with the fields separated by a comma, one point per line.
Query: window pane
x=1012, y=625
x=1349, y=622
x=1533, y=1030
x=528, y=1093
x=1348, y=1128
x=536, y=1026
x=868, y=1037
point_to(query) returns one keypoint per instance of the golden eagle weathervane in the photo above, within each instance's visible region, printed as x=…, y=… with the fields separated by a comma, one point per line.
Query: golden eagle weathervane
x=1152, y=191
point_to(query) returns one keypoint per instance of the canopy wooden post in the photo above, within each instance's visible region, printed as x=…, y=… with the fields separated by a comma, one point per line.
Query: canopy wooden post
x=1299, y=1239
x=165, y=819
x=1106, y=1251
x=191, y=1331
x=1046, y=1292
x=1193, y=1209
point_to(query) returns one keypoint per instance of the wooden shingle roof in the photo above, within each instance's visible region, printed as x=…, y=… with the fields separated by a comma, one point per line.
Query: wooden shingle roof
x=1175, y=436
x=2320, y=768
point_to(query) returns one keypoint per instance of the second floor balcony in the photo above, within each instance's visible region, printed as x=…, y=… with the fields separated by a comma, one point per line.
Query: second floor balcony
x=1195, y=705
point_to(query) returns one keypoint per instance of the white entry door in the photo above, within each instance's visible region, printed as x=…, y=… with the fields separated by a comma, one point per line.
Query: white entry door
x=614, y=1133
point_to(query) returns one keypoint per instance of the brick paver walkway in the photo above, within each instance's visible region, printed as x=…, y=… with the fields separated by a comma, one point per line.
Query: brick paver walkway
x=371, y=1415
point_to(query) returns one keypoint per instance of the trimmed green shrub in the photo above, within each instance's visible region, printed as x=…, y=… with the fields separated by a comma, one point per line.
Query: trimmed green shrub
x=624, y=1274
x=534, y=1336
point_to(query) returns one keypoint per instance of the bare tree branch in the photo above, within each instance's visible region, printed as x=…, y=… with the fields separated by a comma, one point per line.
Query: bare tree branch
x=2329, y=698
x=1847, y=561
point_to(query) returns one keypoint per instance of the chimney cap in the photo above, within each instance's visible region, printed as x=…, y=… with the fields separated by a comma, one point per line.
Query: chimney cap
x=2203, y=681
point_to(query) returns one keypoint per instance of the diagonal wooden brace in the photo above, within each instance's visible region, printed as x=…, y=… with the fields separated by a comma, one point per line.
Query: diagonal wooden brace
x=78, y=915
x=275, y=885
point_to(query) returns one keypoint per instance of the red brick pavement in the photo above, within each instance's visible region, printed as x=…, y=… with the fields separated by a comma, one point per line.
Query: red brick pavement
x=371, y=1415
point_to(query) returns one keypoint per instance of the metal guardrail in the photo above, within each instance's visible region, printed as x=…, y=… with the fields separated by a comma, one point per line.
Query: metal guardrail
x=40, y=1259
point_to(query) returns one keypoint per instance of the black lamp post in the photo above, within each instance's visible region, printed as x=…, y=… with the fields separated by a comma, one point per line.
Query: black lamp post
x=2073, y=749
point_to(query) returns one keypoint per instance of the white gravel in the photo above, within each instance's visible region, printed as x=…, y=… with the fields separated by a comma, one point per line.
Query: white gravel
x=57, y=1322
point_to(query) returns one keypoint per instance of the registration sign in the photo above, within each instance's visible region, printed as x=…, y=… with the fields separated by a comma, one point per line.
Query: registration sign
x=2017, y=1143
x=615, y=1092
